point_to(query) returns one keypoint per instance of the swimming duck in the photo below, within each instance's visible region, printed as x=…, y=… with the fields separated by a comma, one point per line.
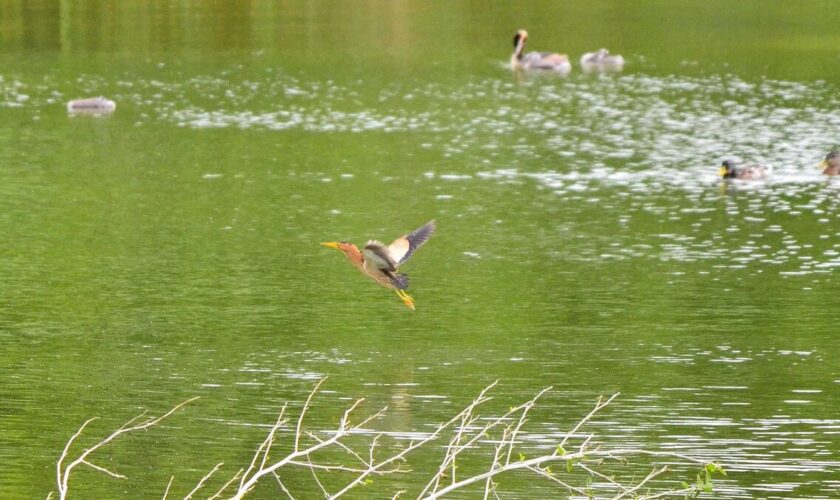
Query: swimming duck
x=601, y=60
x=536, y=60
x=748, y=172
x=831, y=163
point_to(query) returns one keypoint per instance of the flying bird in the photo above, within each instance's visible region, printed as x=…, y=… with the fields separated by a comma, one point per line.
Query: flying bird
x=381, y=262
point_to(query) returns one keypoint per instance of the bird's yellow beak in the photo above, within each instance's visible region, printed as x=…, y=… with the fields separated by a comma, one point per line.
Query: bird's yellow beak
x=722, y=171
x=823, y=165
x=331, y=244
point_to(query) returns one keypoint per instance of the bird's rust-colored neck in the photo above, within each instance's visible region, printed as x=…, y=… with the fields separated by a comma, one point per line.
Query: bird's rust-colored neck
x=354, y=256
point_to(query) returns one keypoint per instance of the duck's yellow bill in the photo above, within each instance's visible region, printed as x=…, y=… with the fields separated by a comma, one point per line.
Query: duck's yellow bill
x=330, y=244
x=823, y=165
x=722, y=171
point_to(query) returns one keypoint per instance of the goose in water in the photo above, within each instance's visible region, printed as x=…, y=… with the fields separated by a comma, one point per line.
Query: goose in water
x=536, y=60
x=601, y=61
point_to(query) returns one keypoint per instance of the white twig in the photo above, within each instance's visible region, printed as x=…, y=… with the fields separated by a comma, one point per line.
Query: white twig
x=318, y=481
x=103, y=469
x=225, y=486
x=303, y=411
x=203, y=480
x=264, y=447
x=464, y=431
x=538, y=461
x=63, y=475
x=653, y=474
x=525, y=408
x=605, y=477
x=552, y=477
x=283, y=486
x=454, y=445
x=166, y=493
x=600, y=404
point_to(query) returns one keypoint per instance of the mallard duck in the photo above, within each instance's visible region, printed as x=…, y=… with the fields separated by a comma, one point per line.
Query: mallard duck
x=748, y=172
x=536, y=60
x=831, y=163
x=601, y=60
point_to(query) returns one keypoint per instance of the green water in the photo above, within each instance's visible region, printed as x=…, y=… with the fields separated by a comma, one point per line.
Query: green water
x=170, y=250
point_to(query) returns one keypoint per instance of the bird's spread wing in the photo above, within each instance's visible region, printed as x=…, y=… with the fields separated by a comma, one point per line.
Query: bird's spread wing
x=402, y=248
x=377, y=254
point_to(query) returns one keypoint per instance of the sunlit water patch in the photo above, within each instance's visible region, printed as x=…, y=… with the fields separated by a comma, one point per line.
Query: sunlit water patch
x=586, y=138
x=668, y=129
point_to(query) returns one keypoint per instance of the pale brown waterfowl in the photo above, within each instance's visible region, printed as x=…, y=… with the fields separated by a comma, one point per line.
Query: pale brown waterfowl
x=381, y=262
x=831, y=163
x=753, y=171
x=536, y=60
x=601, y=60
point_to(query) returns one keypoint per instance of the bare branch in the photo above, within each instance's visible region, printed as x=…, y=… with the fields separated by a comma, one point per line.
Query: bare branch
x=525, y=408
x=464, y=431
x=455, y=448
x=497, y=453
x=318, y=481
x=554, y=478
x=63, y=475
x=169, y=485
x=225, y=486
x=203, y=479
x=650, y=476
x=264, y=447
x=103, y=469
x=282, y=486
x=605, y=477
x=598, y=406
x=303, y=411
x=539, y=461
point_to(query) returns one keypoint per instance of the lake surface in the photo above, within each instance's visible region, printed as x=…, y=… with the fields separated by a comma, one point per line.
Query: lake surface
x=584, y=241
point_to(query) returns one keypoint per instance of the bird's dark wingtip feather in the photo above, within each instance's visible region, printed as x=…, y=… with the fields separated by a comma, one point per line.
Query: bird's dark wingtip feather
x=419, y=236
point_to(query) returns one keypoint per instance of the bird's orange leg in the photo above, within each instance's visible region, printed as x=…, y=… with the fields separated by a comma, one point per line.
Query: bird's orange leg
x=407, y=300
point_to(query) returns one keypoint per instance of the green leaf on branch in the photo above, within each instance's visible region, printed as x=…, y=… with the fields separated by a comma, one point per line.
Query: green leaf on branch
x=712, y=468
